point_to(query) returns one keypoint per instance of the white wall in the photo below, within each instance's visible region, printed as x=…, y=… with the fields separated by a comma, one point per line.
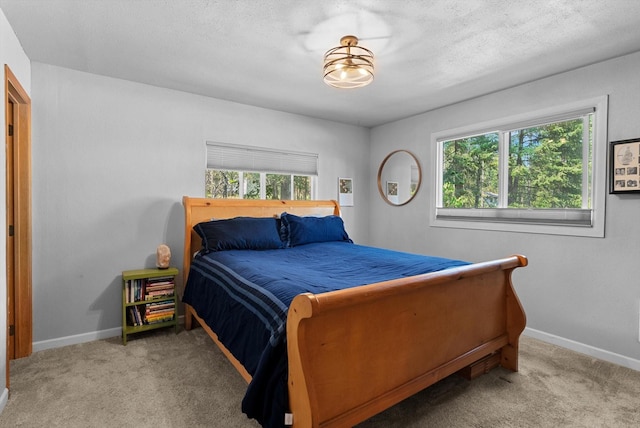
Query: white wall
x=583, y=293
x=11, y=54
x=111, y=162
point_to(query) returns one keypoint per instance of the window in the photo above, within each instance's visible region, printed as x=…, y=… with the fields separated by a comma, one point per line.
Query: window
x=542, y=172
x=256, y=173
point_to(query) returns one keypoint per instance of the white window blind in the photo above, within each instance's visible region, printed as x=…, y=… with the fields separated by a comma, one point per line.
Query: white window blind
x=561, y=216
x=258, y=159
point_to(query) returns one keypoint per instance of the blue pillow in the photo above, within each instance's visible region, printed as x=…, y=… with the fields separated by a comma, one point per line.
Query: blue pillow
x=295, y=230
x=239, y=233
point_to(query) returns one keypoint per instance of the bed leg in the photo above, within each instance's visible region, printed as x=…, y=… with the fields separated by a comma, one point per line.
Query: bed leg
x=188, y=317
x=509, y=357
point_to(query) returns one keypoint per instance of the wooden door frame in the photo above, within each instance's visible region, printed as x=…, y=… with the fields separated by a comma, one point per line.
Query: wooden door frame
x=23, y=329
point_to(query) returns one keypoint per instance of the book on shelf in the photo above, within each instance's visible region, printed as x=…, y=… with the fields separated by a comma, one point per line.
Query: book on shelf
x=159, y=286
x=159, y=320
x=153, y=283
x=162, y=280
x=134, y=290
x=160, y=305
x=160, y=311
x=152, y=319
x=153, y=295
x=135, y=317
x=159, y=314
x=165, y=312
x=148, y=288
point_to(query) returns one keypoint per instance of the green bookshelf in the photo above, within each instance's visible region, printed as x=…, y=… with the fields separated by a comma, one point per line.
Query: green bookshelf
x=149, y=300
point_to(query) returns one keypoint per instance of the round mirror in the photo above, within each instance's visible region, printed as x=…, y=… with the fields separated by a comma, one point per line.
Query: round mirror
x=399, y=177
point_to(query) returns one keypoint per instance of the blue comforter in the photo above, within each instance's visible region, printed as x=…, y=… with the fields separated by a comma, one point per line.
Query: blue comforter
x=243, y=295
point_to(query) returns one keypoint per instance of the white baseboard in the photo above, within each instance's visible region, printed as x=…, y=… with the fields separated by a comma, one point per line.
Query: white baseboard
x=82, y=338
x=4, y=397
x=591, y=351
x=75, y=339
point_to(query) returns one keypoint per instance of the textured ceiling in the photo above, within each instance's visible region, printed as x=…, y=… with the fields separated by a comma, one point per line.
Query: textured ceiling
x=268, y=53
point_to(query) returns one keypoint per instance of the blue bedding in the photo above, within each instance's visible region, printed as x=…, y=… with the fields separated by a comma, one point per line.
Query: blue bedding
x=243, y=295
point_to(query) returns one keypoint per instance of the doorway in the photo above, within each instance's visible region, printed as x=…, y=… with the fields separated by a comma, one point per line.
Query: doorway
x=18, y=216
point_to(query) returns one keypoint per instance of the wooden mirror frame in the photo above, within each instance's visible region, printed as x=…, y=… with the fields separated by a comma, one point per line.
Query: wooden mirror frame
x=382, y=164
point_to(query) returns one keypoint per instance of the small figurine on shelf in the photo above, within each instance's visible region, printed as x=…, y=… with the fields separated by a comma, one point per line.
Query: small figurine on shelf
x=163, y=256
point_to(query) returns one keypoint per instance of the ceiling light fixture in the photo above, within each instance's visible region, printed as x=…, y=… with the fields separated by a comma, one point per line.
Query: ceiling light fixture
x=348, y=66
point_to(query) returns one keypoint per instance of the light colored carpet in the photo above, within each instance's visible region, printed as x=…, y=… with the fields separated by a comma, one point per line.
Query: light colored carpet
x=161, y=379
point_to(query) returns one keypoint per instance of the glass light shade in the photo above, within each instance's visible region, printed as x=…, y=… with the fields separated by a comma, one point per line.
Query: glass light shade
x=348, y=66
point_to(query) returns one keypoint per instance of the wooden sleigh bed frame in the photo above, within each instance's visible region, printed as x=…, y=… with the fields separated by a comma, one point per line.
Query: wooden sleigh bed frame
x=356, y=352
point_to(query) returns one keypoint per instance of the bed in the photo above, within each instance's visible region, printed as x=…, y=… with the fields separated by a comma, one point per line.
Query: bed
x=354, y=352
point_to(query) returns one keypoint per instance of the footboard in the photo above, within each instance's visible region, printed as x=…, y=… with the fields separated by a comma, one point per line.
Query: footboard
x=356, y=352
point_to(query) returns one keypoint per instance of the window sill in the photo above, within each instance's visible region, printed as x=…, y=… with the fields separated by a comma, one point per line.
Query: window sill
x=546, y=227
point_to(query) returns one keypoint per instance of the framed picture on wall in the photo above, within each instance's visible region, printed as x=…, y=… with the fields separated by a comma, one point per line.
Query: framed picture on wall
x=345, y=192
x=624, y=165
x=392, y=191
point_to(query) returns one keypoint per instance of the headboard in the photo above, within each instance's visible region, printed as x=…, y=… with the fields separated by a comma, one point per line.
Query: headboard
x=197, y=210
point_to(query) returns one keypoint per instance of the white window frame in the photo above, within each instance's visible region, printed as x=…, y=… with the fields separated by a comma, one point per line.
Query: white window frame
x=574, y=222
x=241, y=159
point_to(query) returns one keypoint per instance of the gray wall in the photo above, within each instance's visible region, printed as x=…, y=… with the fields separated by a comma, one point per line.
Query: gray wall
x=583, y=290
x=111, y=162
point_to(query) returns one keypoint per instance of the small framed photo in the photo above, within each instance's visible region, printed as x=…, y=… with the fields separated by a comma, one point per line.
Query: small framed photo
x=392, y=188
x=392, y=191
x=345, y=192
x=624, y=165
